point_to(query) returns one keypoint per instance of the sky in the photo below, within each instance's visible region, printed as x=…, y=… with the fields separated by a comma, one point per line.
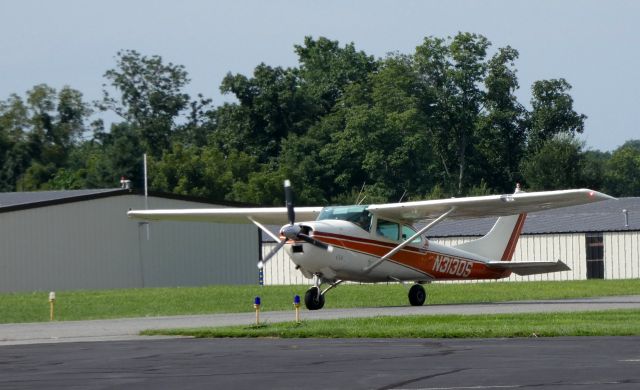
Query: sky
x=592, y=44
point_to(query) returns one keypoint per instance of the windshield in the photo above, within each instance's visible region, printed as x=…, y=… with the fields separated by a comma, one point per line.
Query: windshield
x=356, y=214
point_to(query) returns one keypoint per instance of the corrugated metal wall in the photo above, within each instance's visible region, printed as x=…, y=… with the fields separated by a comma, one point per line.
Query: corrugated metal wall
x=569, y=248
x=93, y=245
x=621, y=257
x=280, y=270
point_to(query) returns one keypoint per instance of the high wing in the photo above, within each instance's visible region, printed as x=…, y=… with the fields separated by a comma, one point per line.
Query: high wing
x=487, y=206
x=524, y=268
x=265, y=215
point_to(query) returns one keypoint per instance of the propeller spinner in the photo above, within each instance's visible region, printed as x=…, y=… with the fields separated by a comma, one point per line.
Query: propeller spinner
x=292, y=231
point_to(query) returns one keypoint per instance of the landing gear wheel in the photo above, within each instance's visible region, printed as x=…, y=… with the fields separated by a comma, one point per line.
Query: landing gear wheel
x=313, y=300
x=417, y=295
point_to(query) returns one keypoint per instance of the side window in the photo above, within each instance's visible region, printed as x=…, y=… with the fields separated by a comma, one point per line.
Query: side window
x=407, y=232
x=388, y=229
x=364, y=220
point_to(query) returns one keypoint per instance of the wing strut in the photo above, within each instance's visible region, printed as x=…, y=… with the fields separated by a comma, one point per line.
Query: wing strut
x=264, y=229
x=407, y=241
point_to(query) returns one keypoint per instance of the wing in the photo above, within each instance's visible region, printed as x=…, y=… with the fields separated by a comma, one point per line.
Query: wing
x=524, y=268
x=486, y=206
x=265, y=215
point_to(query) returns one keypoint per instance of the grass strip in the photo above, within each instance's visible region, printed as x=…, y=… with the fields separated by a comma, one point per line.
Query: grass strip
x=148, y=302
x=603, y=323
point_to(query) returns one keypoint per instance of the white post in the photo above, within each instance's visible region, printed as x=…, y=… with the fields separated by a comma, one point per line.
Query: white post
x=146, y=191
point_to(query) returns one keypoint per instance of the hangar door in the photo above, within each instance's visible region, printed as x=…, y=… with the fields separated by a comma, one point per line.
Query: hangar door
x=595, y=256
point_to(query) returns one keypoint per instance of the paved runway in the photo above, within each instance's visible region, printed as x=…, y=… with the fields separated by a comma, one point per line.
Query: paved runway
x=125, y=329
x=540, y=363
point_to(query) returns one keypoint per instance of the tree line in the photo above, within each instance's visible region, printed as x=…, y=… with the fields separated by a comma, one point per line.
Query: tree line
x=441, y=121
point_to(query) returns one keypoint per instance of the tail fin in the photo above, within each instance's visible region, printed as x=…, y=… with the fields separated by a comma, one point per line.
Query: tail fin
x=500, y=242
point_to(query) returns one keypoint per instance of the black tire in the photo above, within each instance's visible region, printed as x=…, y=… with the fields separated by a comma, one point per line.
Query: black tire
x=313, y=300
x=417, y=295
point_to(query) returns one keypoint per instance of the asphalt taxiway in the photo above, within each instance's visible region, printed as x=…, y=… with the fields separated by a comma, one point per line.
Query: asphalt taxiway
x=526, y=363
x=110, y=354
x=129, y=328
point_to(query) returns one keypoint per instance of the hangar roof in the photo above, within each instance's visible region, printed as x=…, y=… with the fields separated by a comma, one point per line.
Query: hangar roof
x=606, y=216
x=12, y=201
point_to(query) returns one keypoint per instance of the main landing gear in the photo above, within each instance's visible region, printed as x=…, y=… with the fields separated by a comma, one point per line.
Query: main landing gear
x=314, y=297
x=417, y=295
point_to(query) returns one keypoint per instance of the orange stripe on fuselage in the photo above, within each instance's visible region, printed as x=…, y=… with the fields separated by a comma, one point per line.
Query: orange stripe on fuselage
x=513, y=240
x=434, y=264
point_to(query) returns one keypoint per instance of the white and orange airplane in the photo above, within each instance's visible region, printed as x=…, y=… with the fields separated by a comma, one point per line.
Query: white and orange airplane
x=379, y=242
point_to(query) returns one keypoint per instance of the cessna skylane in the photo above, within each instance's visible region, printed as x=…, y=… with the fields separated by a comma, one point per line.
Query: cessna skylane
x=379, y=242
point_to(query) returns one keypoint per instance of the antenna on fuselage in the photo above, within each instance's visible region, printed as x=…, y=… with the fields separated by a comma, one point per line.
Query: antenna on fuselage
x=358, y=200
x=402, y=197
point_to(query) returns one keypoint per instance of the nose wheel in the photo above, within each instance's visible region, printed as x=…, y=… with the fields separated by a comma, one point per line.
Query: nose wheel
x=417, y=295
x=313, y=299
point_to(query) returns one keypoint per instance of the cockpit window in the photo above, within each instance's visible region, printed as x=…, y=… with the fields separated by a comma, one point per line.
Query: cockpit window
x=356, y=214
x=391, y=230
x=387, y=229
x=407, y=231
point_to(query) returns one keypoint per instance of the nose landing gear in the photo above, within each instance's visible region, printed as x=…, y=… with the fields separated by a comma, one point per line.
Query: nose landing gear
x=314, y=298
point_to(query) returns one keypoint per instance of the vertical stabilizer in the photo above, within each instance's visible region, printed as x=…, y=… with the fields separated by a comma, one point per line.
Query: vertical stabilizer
x=500, y=242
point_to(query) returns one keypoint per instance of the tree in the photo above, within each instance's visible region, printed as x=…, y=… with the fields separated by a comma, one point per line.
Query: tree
x=594, y=164
x=15, y=156
x=271, y=106
x=38, y=134
x=552, y=113
x=501, y=127
x=326, y=69
x=622, y=171
x=452, y=74
x=556, y=165
x=151, y=97
x=380, y=140
x=203, y=172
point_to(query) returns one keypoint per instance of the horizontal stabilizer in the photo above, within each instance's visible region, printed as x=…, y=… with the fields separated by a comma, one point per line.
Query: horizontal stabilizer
x=524, y=268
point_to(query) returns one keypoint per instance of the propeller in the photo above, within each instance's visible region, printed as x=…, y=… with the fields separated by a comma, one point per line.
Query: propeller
x=292, y=231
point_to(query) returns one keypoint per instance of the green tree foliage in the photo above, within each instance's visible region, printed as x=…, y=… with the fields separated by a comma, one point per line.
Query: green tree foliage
x=203, y=172
x=557, y=164
x=344, y=126
x=475, y=125
x=552, y=112
x=326, y=69
x=37, y=135
x=379, y=135
x=622, y=170
x=271, y=106
x=593, y=169
x=501, y=130
x=151, y=97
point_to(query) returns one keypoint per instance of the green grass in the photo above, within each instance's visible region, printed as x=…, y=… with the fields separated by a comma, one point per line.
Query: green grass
x=81, y=305
x=604, y=323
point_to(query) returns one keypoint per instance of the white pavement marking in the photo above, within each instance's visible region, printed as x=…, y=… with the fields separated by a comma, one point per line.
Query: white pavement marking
x=129, y=328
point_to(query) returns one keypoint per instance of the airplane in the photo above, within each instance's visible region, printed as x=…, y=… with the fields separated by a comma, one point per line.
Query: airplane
x=381, y=243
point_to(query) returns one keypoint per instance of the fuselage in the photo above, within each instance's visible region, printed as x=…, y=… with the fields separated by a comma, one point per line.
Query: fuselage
x=356, y=244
